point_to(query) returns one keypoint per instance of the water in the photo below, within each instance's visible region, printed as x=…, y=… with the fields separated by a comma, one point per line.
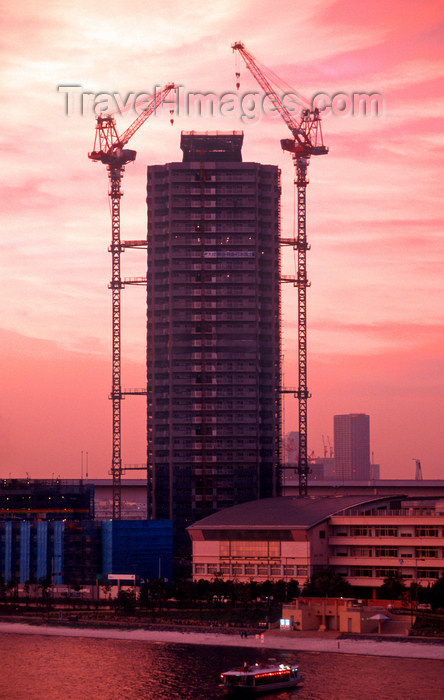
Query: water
x=48, y=668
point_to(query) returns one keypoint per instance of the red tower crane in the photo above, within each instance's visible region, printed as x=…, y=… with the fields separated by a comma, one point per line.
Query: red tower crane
x=109, y=150
x=306, y=141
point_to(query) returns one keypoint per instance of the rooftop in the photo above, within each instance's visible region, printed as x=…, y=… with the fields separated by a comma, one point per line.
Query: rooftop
x=282, y=512
x=224, y=146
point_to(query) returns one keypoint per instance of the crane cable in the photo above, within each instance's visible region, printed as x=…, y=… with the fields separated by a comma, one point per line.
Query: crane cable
x=282, y=84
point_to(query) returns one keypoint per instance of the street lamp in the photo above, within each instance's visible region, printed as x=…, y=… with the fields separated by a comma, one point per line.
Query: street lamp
x=417, y=559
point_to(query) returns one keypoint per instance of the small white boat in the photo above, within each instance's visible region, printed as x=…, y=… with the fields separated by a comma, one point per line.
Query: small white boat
x=261, y=678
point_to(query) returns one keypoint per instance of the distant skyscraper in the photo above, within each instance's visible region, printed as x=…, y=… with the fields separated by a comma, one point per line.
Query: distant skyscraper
x=213, y=331
x=291, y=448
x=352, y=446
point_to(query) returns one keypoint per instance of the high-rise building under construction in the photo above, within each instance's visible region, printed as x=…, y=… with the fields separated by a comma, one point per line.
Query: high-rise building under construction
x=213, y=305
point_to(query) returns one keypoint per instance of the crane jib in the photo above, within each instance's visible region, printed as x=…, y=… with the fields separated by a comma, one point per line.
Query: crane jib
x=306, y=130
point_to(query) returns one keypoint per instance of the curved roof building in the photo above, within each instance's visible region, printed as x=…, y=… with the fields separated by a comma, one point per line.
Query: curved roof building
x=281, y=512
x=364, y=538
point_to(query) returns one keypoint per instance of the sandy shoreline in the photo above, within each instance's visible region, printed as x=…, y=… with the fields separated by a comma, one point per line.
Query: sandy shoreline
x=367, y=647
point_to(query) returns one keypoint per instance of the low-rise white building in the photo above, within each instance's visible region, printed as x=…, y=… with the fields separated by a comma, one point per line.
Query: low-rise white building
x=363, y=538
x=368, y=546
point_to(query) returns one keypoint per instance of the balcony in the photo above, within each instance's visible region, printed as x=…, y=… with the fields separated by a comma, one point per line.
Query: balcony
x=387, y=541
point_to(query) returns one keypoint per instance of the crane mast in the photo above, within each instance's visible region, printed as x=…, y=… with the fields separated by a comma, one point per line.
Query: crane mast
x=109, y=150
x=306, y=141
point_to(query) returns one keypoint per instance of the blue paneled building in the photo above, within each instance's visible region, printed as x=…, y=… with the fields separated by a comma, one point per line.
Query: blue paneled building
x=78, y=552
x=141, y=547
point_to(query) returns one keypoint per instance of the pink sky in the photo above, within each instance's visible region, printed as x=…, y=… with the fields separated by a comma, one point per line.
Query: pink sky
x=375, y=220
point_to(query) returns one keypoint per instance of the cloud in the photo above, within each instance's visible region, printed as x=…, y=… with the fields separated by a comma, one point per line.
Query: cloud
x=54, y=404
x=374, y=203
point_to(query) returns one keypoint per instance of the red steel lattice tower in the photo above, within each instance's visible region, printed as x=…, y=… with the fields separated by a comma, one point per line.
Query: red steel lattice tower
x=306, y=141
x=109, y=150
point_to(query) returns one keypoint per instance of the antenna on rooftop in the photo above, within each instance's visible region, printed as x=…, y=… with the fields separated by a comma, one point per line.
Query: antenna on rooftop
x=418, y=472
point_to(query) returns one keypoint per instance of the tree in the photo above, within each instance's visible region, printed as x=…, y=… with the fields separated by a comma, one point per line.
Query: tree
x=26, y=591
x=45, y=585
x=327, y=583
x=3, y=588
x=416, y=592
x=144, y=595
x=106, y=588
x=12, y=587
x=266, y=589
x=437, y=593
x=293, y=589
x=393, y=586
x=158, y=590
x=126, y=602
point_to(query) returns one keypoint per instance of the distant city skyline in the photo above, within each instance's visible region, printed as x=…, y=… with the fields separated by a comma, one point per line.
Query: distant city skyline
x=374, y=224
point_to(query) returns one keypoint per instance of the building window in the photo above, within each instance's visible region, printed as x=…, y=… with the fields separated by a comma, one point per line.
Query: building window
x=274, y=549
x=224, y=549
x=386, y=572
x=428, y=573
x=199, y=568
x=276, y=570
x=426, y=531
x=426, y=552
x=360, y=531
x=322, y=534
x=386, y=552
x=360, y=572
x=262, y=570
x=301, y=570
x=251, y=550
x=386, y=531
x=360, y=552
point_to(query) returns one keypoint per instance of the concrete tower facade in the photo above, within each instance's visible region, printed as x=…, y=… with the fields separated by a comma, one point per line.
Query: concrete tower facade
x=213, y=364
x=352, y=446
